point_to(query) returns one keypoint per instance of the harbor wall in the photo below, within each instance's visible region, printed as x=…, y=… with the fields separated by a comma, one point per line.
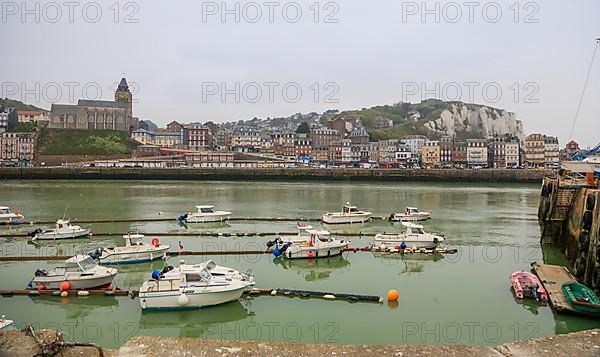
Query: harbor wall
x=575, y=226
x=447, y=175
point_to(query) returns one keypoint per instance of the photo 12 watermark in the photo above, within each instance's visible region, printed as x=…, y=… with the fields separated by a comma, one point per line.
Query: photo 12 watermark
x=69, y=12
x=466, y=332
x=471, y=91
x=269, y=92
x=470, y=12
x=290, y=12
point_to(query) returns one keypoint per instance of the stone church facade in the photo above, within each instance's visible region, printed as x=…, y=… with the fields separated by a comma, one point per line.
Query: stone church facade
x=97, y=114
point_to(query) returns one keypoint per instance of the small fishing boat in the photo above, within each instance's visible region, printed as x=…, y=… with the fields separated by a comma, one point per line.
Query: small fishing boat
x=193, y=286
x=413, y=237
x=308, y=244
x=63, y=230
x=349, y=214
x=4, y=322
x=136, y=250
x=6, y=216
x=581, y=297
x=410, y=213
x=205, y=214
x=80, y=272
x=527, y=285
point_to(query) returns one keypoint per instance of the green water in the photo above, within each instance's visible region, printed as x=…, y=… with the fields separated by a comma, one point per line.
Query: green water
x=454, y=299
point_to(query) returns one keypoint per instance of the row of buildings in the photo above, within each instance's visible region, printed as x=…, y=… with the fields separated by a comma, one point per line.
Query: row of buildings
x=345, y=142
x=17, y=149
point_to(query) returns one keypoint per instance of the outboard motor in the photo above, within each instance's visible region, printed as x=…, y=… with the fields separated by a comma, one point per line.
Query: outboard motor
x=274, y=242
x=41, y=272
x=166, y=269
x=156, y=274
x=34, y=232
x=96, y=254
x=284, y=247
x=182, y=218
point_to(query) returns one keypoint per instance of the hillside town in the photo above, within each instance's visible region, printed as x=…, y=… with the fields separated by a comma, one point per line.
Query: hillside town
x=330, y=139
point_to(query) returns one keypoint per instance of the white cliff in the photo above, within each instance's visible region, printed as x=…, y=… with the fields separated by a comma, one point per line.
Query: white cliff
x=461, y=117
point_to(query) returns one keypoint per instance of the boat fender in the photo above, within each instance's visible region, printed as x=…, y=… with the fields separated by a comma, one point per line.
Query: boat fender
x=329, y=297
x=584, y=240
x=56, y=293
x=579, y=267
x=109, y=293
x=403, y=245
x=587, y=220
x=30, y=284
x=183, y=300
x=83, y=293
x=273, y=292
x=276, y=252
x=155, y=242
x=352, y=298
x=64, y=294
x=596, y=278
x=590, y=202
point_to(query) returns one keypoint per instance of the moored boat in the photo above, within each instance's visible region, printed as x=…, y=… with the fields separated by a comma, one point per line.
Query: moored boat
x=349, y=214
x=4, y=322
x=527, y=285
x=413, y=237
x=581, y=297
x=193, y=286
x=410, y=214
x=315, y=244
x=205, y=214
x=6, y=216
x=63, y=230
x=80, y=272
x=136, y=250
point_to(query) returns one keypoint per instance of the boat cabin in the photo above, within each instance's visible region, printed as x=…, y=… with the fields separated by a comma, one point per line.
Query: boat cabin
x=206, y=209
x=413, y=229
x=79, y=263
x=323, y=236
x=132, y=240
x=348, y=208
x=412, y=210
x=61, y=223
x=4, y=210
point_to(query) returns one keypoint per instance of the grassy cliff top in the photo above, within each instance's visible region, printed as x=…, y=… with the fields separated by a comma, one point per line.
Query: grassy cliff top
x=84, y=142
x=19, y=106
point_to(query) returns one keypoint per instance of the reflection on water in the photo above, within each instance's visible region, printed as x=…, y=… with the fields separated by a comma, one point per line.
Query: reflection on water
x=313, y=269
x=76, y=307
x=196, y=323
x=410, y=263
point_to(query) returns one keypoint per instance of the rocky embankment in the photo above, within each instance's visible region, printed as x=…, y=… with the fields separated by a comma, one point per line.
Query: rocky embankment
x=23, y=343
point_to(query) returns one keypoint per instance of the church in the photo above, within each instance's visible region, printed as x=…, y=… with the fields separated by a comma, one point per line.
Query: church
x=97, y=114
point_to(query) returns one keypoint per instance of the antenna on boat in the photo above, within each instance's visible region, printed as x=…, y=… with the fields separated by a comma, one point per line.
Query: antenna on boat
x=65, y=214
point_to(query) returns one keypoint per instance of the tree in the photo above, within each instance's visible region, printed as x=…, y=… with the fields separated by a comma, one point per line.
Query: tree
x=302, y=128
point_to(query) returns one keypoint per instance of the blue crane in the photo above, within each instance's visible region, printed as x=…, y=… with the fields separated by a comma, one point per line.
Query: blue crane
x=585, y=154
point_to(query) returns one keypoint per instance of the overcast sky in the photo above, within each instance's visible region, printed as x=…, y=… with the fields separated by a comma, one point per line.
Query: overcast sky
x=183, y=57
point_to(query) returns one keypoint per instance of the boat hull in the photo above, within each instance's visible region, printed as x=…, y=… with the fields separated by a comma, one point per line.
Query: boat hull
x=62, y=235
x=393, y=242
x=53, y=282
x=397, y=217
x=345, y=219
x=523, y=281
x=196, y=298
x=218, y=217
x=11, y=217
x=313, y=252
x=116, y=257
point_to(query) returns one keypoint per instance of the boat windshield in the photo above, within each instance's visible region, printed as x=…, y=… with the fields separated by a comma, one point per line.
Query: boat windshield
x=4, y=211
x=202, y=275
x=419, y=230
x=206, y=210
x=87, y=264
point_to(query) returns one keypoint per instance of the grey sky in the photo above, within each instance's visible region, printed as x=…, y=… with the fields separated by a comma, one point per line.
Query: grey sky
x=371, y=55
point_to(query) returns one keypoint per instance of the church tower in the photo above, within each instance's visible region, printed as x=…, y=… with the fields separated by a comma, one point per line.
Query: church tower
x=122, y=94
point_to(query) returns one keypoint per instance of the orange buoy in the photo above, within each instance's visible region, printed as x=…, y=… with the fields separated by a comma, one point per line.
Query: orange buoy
x=65, y=285
x=393, y=295
x=41, y=287
x=155, y=242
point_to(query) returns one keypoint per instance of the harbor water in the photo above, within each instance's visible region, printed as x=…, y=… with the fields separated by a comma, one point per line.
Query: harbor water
x=462, y=298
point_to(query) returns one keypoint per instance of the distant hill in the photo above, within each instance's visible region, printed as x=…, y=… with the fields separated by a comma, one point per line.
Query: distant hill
x=435, y=118
x=20, y=106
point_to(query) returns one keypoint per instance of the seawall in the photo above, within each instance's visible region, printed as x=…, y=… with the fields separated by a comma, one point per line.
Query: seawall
x=451, y=175
x=570, y=215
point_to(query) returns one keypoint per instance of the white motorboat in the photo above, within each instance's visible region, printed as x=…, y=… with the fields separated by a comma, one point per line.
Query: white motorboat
x=412, y=214
x=4, y=322
x=349, y=214
x=6, y=216
x=309, y=243
x=193, y=286
x=414, y=237
x=63, y=230
x=80, y=271
x=205, y=214
x=136, y=250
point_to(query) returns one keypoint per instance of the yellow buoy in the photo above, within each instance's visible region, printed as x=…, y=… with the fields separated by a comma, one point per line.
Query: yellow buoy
x=64, y=294
x=393, y=295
